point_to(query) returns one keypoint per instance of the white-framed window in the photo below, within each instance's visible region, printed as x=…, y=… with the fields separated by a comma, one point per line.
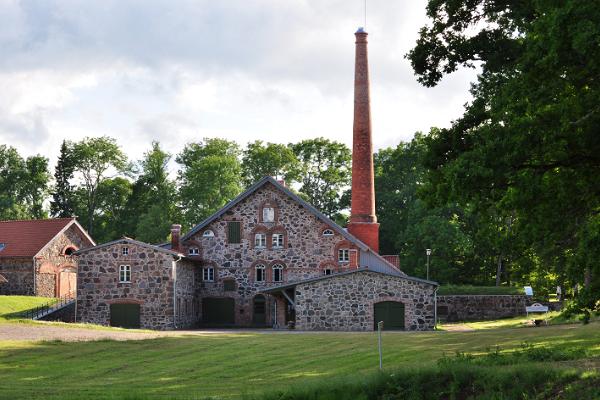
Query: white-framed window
x=327, y=271
x=124, y=273
x=261, y=273
x=344, y=255
x=277, y=273
x=208, y=234
x=125, y=251
x=208, y=274
x=193, y=251
x=260, y=240
x=277, y=240
x=268, y=214
x=328, y=232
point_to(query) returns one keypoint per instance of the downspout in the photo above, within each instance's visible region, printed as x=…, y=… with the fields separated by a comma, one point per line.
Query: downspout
x=174, y=266
x=34, y=277
x=435, y=308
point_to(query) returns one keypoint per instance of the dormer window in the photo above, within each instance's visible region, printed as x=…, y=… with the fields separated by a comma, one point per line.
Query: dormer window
x=328, y=232
x=125, y=251
x=327, y=271
x=208, y=234
x=193, y=251
x=260, y=240
x=268, y=214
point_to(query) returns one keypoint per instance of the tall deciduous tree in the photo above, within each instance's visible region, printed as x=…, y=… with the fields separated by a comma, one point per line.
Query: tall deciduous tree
x=270, y=159
x=528, y=142
x=325, y=172
x=23, y=185
x=209, y=177
x=94, y=158
x=152, y=206
x=62, y=196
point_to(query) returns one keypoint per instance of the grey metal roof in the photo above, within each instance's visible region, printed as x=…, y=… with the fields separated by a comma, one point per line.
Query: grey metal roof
x=362, y=269
x=127, y=240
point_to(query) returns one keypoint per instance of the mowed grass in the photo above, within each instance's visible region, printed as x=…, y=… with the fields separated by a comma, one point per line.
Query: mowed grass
x=229, y=365
x=14, y=307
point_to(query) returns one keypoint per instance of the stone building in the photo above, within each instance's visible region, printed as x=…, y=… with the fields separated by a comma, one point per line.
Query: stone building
x=36, y=256
x=136, y=285
x=268, y=258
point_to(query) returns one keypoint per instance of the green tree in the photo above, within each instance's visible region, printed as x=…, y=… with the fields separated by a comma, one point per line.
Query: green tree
x=94, y=158
x=270, y=159
x=152, y=207
x=325, y=173
x=209, y=177
x=23, y=185
x=112, y=198
x=62, y=196
x=527, y=145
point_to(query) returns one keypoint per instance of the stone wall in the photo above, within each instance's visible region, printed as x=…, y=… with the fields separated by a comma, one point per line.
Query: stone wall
x=52, y=260
x=306, y=252
x=187, y=306
x=19, y=274
x=346, y=302
x=151, y=285
x=479, y=307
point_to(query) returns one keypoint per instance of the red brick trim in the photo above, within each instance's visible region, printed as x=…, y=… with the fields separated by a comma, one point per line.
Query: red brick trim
x=125, y=301
x=252, y=274
x=64, y=250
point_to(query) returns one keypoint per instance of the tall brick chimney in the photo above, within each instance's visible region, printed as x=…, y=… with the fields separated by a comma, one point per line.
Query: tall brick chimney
x=363, y=221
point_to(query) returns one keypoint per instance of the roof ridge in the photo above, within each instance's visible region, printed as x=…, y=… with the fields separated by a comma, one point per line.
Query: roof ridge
x=37, y=219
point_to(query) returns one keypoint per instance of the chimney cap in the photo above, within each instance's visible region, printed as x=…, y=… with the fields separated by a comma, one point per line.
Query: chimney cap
x=176, y=227
x=361, y=30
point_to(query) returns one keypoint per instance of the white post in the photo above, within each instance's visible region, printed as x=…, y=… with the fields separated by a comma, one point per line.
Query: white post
x=379, y=328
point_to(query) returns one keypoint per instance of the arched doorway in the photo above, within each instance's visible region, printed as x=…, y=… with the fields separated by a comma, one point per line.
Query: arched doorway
x=259, y=308
x=67, y=282
x=392, y=314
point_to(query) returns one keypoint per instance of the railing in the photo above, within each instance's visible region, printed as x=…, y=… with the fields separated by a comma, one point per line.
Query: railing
x=45, y=309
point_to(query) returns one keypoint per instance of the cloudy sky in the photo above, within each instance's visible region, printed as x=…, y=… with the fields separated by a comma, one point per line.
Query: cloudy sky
x=178, y=71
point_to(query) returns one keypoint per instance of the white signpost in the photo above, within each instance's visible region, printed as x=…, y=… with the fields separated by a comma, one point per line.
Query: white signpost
x=379, y=329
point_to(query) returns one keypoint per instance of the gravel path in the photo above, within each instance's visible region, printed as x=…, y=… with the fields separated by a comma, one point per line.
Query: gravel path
x=15, y=331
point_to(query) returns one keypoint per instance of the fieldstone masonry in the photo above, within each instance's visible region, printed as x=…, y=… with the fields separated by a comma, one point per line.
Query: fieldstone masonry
x=151, y=286
x=346, y=302
x=479, y=307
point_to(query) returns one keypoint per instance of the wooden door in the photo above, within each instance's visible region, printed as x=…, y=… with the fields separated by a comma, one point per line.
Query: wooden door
x=391, y=313
x=125, y=315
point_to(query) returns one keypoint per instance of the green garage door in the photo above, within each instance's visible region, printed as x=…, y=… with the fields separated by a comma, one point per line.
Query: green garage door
x=391, y=313
x=125, y=315
x=219, y=311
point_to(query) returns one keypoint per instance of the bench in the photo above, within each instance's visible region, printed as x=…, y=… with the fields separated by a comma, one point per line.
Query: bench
x=537, y=308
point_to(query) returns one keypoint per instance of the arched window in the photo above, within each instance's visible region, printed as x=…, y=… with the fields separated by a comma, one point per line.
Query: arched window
x=328, y=232
x=327, y=271
x=69, y=250
x=277, y=273
x=261, y=271
x=208, y=234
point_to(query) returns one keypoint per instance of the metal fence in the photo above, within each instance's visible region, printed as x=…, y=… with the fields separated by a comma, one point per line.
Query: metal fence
x=47, y=308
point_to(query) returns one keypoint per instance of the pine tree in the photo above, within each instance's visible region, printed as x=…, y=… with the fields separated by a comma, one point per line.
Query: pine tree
x=62, y=197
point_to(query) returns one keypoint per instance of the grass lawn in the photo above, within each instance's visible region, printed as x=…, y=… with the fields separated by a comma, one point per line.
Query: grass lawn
x=227, y=365
x=12, y=307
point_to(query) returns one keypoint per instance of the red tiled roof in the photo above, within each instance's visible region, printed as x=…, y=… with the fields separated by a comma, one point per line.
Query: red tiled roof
x=26, y=238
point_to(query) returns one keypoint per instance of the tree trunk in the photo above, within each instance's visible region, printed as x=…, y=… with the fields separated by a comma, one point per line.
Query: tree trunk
x=499, y=269
x=587, y=277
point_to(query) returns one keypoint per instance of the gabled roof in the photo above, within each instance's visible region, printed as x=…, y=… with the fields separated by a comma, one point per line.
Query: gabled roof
x=354, y=271
x=26, y=238
x=374, y=258
x=127, y=240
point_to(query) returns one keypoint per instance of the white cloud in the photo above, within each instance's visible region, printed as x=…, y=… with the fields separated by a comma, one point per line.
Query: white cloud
x=177, y=72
